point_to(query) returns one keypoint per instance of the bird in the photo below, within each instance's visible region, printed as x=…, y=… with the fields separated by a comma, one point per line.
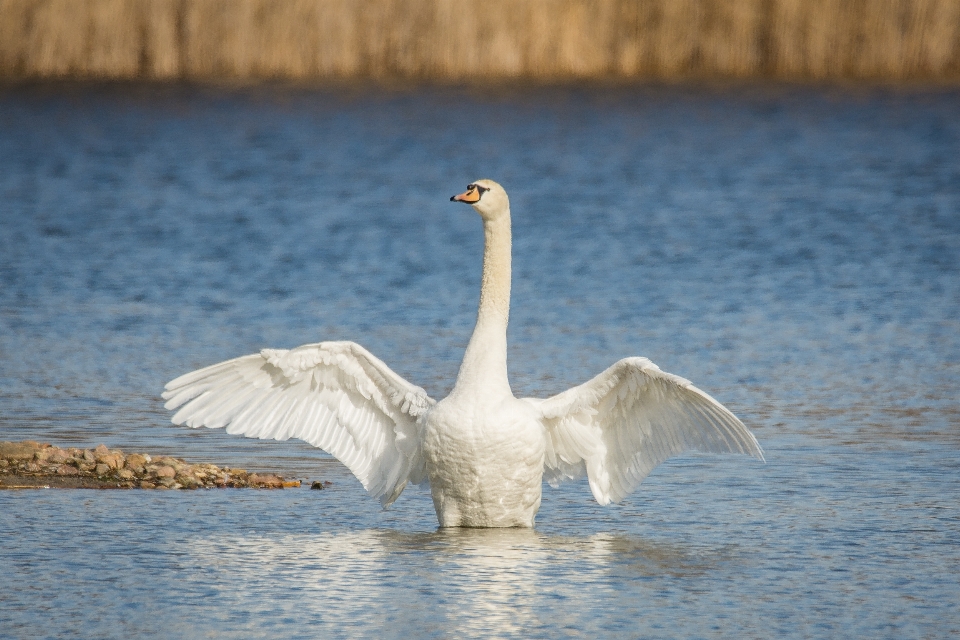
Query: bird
x=483, y=452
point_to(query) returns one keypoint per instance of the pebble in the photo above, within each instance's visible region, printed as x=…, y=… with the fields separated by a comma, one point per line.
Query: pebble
x=113, y=460
x=188, y=482
x=19, y=450
x=132, y=470
x=136, y=461
x=268, y=482
x=57, y=456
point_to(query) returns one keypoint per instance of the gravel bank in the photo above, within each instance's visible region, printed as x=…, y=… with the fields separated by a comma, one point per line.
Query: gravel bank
x=29, y=464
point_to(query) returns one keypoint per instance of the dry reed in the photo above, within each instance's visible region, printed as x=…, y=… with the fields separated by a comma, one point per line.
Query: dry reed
x=452, y=40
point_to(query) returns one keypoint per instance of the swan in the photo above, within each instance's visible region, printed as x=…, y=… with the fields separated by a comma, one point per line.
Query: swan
x=484, y=452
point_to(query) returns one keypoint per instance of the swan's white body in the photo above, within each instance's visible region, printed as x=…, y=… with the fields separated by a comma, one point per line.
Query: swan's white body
x=484, y=452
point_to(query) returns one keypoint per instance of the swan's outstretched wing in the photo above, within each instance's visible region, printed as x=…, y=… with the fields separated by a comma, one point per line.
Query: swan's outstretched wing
x=617, y=427
x=335, y=395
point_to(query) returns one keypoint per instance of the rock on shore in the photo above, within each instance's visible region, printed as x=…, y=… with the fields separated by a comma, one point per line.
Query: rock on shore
x=34, y=464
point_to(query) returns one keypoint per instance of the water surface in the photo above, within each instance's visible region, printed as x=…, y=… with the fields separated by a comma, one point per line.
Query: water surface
x=793, y=251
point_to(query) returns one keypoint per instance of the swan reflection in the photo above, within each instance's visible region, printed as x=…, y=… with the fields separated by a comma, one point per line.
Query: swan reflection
x=474, y=581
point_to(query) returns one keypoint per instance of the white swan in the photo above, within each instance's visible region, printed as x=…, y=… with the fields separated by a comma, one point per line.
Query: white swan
x=483, y=451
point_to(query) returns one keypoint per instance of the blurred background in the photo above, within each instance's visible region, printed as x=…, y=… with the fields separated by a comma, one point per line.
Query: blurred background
x=446, y=40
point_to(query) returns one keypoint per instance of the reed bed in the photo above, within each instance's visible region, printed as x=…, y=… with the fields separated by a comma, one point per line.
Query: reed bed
x=458, y=40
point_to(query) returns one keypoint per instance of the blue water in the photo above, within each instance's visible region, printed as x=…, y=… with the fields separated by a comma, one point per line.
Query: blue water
x=793, y=251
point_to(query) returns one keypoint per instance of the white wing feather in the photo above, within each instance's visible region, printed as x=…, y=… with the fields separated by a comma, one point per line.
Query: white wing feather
x=619, y=426
x=335, y=395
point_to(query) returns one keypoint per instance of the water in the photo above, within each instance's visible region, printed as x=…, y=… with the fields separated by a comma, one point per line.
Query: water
x=793, y=251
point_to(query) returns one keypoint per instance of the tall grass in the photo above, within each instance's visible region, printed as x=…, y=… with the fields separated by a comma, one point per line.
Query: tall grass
x=451, y=40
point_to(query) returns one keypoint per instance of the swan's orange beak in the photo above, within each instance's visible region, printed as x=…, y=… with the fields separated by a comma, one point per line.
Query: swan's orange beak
x=469, y=196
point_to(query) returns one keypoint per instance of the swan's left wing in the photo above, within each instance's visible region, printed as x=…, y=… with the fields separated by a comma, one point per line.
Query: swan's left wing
x=620, y=425
x=335, y=395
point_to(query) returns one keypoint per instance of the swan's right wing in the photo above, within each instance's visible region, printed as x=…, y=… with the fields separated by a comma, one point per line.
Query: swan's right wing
x=335, y=395
x=617, y=427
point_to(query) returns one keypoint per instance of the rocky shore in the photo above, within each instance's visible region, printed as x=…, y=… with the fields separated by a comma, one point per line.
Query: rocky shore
x=31, y=464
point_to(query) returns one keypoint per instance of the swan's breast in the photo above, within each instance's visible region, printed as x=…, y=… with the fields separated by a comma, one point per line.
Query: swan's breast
x=474, y=433
x=485, y=462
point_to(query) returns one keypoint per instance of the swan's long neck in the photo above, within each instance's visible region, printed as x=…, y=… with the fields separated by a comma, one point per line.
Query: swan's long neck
x=485, y=361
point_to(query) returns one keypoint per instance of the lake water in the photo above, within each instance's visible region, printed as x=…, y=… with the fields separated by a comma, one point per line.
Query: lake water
x=793, y=251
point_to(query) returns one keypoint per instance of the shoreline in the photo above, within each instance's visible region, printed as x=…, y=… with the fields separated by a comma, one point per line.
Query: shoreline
x=39, y=465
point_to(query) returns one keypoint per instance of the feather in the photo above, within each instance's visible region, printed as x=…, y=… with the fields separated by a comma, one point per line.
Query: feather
x=629, y=419
x=335, y=395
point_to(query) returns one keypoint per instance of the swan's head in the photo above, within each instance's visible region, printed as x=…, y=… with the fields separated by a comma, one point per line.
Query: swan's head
x=487, y=197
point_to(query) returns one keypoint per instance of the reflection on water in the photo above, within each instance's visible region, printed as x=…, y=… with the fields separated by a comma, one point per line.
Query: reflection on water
x=793, y=251
x=486, y=583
